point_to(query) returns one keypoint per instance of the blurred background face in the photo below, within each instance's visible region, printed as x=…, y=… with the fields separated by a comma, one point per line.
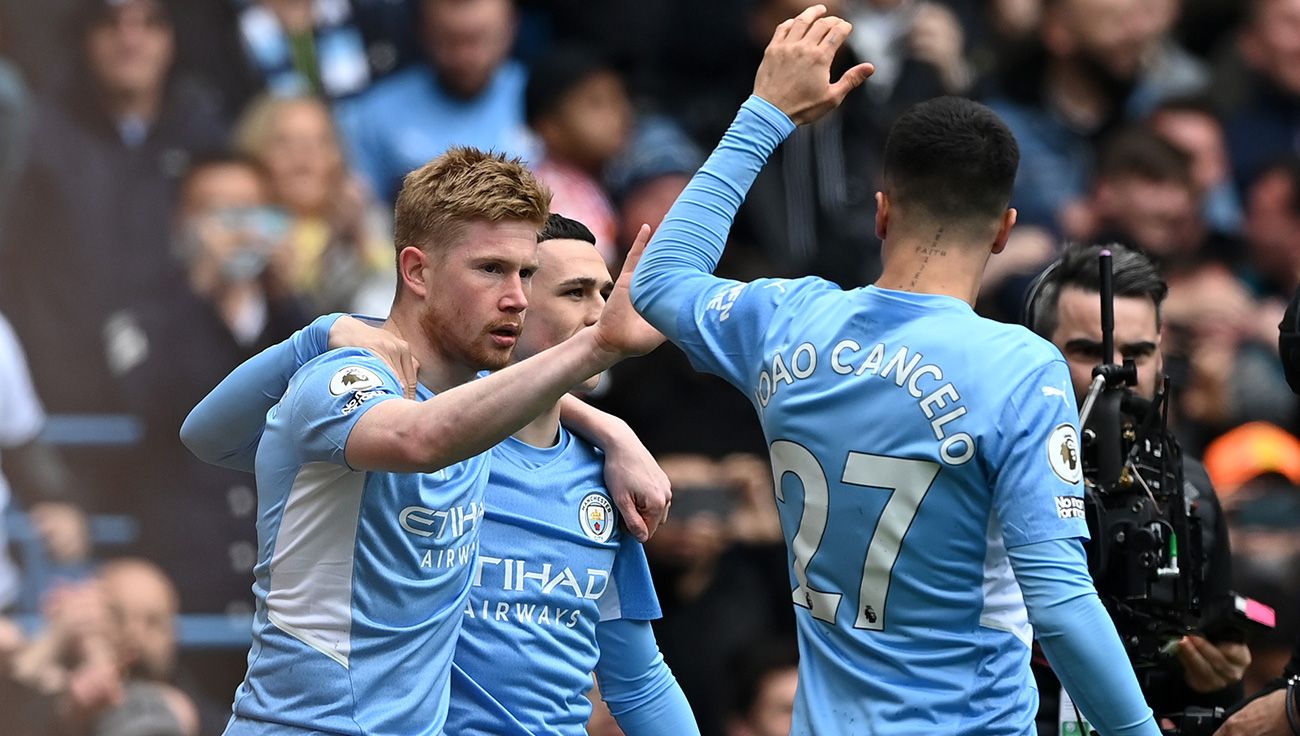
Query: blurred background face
x=592, y=123
x=648, y=203
x=1158, y=216
x=1272, y=42
x=130, y=47
x=144, y=607
x=302, y=156
x=774, y=708
x=1078, y=336
x=468, y=40
x=1199, y=136
x=1113, y=36
x=228, y=227
x=569, y=291
x=1273, y=224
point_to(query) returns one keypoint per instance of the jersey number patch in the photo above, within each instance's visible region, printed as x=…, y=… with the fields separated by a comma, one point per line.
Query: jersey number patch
x=907, y=482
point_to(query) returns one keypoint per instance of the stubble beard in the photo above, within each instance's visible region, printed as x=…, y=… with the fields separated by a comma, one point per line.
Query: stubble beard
x=479, y=352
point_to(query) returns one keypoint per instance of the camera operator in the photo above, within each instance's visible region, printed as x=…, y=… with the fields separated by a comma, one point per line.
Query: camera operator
x=1065, y=309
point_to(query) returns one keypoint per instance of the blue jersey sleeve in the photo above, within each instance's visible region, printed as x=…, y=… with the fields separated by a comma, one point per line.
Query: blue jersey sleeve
x=226, y=426
x=674, y=286
x=631, y=594
x=1036, y=466
x=328, y=396
x=1079, y=638
x=636, y=684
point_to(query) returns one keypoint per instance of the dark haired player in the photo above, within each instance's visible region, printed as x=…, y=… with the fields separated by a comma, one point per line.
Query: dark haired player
x=916, y=447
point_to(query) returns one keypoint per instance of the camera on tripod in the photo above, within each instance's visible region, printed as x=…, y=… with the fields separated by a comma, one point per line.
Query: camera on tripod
x=1146, y=553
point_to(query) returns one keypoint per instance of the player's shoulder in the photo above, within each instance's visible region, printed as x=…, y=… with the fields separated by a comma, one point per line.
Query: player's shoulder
x=1022, y=346
x=344, y=370
x=770, y=293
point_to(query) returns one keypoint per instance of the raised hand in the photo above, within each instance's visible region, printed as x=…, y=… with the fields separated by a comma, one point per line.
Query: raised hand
x=621, y=330
x=795, y=75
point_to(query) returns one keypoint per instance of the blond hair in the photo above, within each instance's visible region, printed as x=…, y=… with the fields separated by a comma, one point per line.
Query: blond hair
x=461, y=186
x=256, y=126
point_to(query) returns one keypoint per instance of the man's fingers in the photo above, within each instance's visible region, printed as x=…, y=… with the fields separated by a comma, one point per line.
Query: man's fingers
x=637, y=250
x=1211, y=654
x=804, y=21
x=783, y=31
x=836, y=35
x=1196, y=666
x=824, y=27
x=851, y=80
x=411, y=374
x=632, y=517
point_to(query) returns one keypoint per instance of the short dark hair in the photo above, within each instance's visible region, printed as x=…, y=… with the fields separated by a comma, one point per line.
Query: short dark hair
x=202, y=162
x=554, y=75
x=559, y=227
x=1134, y=275
x=1140, y=152
x=953, y=158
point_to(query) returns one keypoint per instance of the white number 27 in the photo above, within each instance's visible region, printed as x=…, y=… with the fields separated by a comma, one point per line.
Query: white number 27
x=906, y=480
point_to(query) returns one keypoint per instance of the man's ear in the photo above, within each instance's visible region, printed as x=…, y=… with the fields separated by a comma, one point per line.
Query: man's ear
x=1004, y=230
x=413, y=270
x=882, y=215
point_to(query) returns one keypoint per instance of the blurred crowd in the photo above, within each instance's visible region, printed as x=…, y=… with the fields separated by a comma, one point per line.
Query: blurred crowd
x=185, y=183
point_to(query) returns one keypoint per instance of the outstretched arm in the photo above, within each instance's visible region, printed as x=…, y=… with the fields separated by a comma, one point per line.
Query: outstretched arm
x=636, y=684
x=225, y=427
x=792, y=87
x=459, y=423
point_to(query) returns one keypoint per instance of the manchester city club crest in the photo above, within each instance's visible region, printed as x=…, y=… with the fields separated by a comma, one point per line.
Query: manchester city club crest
x=596, y=516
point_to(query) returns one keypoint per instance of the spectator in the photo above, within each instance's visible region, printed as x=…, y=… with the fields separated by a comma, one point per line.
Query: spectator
x=302, y=47
x=765, y=682
x=918, y=48
x=651, y=171
x=104, y=160
x=1192, y=126
x=38, y=472
x=340, y=250
x=469, y=93
x=67, y=680
x=576, y=104
x=1264, y=122
x=1143, y=195
x=1097, y=63
x=144, y=605
x=15, y=126
x=1226, y=368
x=231, y=242
x=1272, y=228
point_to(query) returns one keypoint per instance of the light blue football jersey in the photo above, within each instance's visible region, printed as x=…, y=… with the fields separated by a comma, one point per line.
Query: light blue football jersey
x=912, y=443
x=362, y=577
x=553, y=564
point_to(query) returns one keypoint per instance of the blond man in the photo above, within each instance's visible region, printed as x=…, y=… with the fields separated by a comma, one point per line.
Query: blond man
x=370, y=504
